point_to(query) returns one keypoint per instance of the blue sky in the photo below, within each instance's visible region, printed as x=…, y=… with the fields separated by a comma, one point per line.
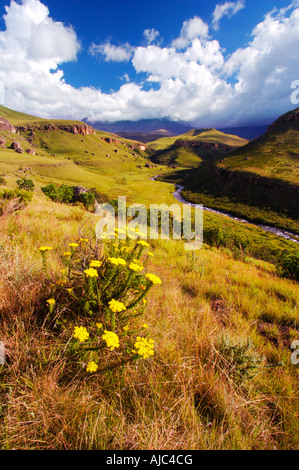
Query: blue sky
x=209, y=62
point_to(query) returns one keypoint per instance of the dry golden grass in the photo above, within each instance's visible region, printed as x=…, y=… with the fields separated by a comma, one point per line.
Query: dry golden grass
x=190, y=395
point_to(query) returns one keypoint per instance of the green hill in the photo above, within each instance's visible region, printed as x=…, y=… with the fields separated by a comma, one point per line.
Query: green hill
x=71, y=152
x=196, y=145
x=275, y=154
x=258, y=181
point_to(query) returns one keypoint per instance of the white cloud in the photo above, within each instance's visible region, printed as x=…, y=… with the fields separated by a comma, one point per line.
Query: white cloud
x=31, y=35
x=151, y=35
x=112, y=53
x=192, y=78
x=192, y=29
x=226, y=9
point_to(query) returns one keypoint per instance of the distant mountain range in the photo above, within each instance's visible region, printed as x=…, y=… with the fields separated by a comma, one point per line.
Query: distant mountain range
x=148, y=130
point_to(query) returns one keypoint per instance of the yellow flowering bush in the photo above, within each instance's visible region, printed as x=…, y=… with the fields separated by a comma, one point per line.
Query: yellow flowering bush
x=111, y=340
x=81, y=334
x=104, y=289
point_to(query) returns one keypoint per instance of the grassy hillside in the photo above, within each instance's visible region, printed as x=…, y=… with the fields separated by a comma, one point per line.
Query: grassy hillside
x=222, y=322
x=201, y=135
x=116, y=168
x=220, y=377
x=189, y=149
x=258, y=181
x=273, y=155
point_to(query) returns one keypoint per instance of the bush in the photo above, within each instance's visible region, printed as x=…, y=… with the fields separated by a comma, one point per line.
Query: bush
x=12, y=200
x=288, y=265
x=25, y=184
x=61, y=193
x=2, y=181
x=99, y=302
x=87, y=199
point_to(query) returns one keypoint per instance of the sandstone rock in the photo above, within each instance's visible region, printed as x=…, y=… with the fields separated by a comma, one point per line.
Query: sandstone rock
x=15, y=146
x=2, y=142
x=6, y=126
x=30, y=151
x=78, y=129
x=78, y=190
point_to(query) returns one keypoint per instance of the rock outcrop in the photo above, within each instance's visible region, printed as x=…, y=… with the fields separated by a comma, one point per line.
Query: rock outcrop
x=15, y=146
x=2, y=142
x=198, y=144
x=6, y=126
x=77, y=129
x=78, y=190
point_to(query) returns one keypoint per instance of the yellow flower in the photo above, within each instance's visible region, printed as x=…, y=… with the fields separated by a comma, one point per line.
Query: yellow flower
x=116, y=307
x=145, y=326
x=143, y=243
x=149, y=253
x=43, y=249
x=126, y=328
x=91, y=273
x=144, y=347
x=135, y=267
x=70, y=290
x=51, y=302
x=154, y=279
x=95, y=264
x=92, y=367
x=67, y=254
x=83, y=240
x=117, y=261
x=81, y=334
x=99, y=325
x=63, y=271
x=111, y=340
x=73, y=245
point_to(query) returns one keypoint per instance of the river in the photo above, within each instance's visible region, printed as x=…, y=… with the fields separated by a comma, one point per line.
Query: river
x=275, y=231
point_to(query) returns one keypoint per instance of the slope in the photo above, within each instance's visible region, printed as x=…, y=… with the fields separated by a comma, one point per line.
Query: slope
x=189, y=149
x=73, y=153
x=258, y=181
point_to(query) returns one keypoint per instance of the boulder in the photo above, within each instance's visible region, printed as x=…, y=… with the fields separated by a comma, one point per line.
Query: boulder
x=2, y=142
x=78, y=190
x=15, y=146
x=6, y=126
x=30, y=151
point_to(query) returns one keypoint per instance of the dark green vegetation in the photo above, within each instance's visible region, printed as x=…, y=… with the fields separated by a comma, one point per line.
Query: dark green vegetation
x=274, y=155
x=258, y=181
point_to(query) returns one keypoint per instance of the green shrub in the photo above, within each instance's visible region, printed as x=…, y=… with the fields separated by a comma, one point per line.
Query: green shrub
x=87, y=199
x=61, y=193
x=25, y=184
x=241, y=360
x=288, y=265
x=2, y=181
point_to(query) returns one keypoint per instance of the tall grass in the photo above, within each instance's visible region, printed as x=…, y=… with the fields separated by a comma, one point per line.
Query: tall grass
x=212, y=318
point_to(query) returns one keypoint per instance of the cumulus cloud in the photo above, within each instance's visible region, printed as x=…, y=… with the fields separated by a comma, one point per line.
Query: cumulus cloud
x=191, y=79
x=226, y=9
x=192, y=29
x=112, y=53
x=151, y=35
